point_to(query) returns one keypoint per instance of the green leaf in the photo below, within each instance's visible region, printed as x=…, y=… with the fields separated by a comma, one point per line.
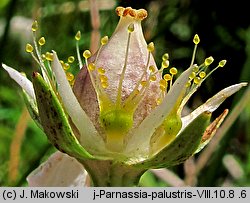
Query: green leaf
x=55, y=122
x=182, y=147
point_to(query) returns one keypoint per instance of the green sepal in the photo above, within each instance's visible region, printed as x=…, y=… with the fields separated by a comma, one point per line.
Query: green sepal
x=182, y=147
x=55, y=122
x=32, y=108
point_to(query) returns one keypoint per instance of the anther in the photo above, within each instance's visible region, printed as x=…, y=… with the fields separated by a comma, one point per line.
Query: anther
x=165, y=64
x=163, y=83
x=101, y=70
x=192, y=75
x=70, y=76
x=41, y=41
x=222, y=63
x=34, y=26
x=103, y=78
x=152, y=78
x=78, y=35
x=105, y=84
x=167, y=77
x=43, y=57
x=49, y=56
x=151, y=47
x=91, y=66
x=66, y=66
x=152, y=68
x=195, y=68
x=196, y=39
x=104, y=40
x=202, y=74
x=86, y=54
x=165, y=57
x=71, y=59
x=143, y=83
x=197, y=80
x=209, y=60
x=173, y=71
x=29, y=48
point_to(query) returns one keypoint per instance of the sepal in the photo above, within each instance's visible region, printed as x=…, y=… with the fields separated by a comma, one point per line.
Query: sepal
x=55, y=122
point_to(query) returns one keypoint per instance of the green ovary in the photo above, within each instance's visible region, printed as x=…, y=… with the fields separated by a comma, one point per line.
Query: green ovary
x=116, y=124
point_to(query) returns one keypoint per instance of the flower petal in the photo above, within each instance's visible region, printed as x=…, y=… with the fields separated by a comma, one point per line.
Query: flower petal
x=213, y=103
x=89, y=136
x=139, y=143
x=21, y=80
x=60, y=170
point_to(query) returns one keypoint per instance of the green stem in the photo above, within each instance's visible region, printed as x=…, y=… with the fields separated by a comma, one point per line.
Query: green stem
x=112, y=174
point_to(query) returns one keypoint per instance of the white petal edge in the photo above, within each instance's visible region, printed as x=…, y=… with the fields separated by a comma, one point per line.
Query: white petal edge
x=60, y=170
x=213, y=103
x=89, y=136
x=139, y=143
x=21, y=80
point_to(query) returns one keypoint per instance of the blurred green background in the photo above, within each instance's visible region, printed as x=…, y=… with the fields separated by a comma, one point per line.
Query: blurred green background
x=224, y=29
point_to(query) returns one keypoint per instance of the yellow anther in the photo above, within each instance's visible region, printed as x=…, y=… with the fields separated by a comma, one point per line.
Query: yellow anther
x=197, y=80
x=43, y=57
x=101, y=71
x=34, y=26
x=29, y=48
x=41, y=41
x=196, y=39
x=192, y=75
x=78, y=35
x=105, y=84
x=66, y=66
x=152, y=78
x=152, y=68
x=151, y=47
x=91, y=67
x=188, y=84
x=104, y=40
x=70, y=76
x=143, y=83
x=195, y=68
x=165, y=63
x=163, y=88
x=61, y=62
x=103, y=78
x=222, y=63
x=173, y=71
x=137, y=91
x=209, y=60
x=49, y=56
x=71, y=59
x=202, y=74
x=159, y=101
x=131, y=28
x=86, y=54
x=165, y=57
x=167, y=77
x=163, y=83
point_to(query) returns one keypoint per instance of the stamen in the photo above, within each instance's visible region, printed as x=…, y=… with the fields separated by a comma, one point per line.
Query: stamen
x=78, y=37
x=104, y=41
x=118, y=100
x=196, y=41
